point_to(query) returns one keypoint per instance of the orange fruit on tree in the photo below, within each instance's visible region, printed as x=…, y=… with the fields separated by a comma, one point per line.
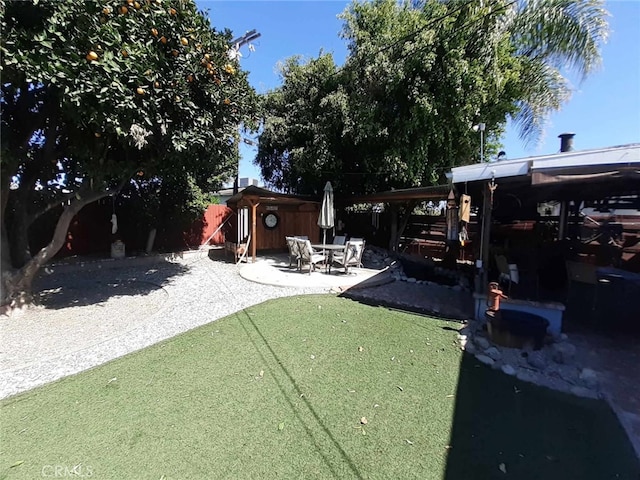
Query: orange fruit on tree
x=189, y=78
x=207, y=56
x=227, y=101
x=163, y=39
x=136, y=5
x=184, y=41
x=92, y=56
x=106, y=10
x=130, y=2
x=175, y=53
x=156, y=84
x=125, y=54
x=140, y=91
x=173, y=11
x=123, y=10
x=154, y=32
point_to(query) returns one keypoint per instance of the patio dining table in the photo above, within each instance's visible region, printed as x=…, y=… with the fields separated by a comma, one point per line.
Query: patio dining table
x=330, y=247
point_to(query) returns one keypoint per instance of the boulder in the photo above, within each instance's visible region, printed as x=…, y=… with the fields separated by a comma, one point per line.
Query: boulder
x=583, y=392
x=537, y=360
x=589, y=378
x=508, y=369
x=481, y=342
x=563, y=352
x=525, y=375
x=493, y=353
x=484, y=359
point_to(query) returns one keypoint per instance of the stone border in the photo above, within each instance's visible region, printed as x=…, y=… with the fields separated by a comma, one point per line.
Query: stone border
x=553, y=366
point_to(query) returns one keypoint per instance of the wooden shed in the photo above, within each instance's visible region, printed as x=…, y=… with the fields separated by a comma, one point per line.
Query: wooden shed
x=264, y=218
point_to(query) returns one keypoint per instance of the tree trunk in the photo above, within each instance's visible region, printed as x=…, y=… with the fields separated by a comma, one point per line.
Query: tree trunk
x=399, y=224
x=19, y=236
x=4, y=241
x=17, y=285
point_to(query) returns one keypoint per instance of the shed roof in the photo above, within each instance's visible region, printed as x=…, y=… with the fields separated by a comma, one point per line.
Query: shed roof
x=262, y=195
x=435, y=192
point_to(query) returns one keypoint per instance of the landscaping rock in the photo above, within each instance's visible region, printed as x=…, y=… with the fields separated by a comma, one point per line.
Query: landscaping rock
x=537, y=359
x=583, y=392
x=563, y=352
x=484, y=359
x=589, y=378
x=567, y=373
x=508, y=369
x=469, y=347
x=493, y=353
x=525, y=375
x=481, y=342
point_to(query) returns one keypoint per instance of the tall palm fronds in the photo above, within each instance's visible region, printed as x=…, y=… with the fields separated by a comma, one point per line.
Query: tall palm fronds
x=553, y=38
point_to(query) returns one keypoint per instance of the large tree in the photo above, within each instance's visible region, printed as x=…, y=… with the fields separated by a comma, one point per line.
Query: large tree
x=418, y=76
x=94, y=93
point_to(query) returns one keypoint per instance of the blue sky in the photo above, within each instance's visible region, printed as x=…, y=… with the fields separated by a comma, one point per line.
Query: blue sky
x=604, y=110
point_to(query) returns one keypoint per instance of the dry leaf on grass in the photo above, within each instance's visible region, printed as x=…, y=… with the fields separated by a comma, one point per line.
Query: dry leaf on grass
x=364, y=420
x=503, y=468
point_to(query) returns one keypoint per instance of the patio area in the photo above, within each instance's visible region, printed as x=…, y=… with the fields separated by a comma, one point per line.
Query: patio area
x=274, y=269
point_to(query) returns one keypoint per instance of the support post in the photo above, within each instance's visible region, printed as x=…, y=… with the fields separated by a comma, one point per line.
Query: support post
x=562, y=224
x=254, y=236
x=485, y=239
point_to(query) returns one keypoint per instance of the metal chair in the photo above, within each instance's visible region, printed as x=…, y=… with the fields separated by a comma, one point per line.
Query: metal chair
x=294, y=251
x=350, y=256
x=339, y=240
x=507, y=272
x=308, y=255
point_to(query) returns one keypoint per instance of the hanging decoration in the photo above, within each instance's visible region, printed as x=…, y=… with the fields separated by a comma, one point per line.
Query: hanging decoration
x=114, y=218
x=492, y=188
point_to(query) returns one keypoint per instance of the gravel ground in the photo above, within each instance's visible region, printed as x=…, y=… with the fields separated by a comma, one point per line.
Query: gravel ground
x=104, y=313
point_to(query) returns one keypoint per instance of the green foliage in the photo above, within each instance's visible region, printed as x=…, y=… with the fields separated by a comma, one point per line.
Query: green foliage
x=418, y=76
x=149, y=82
x=171, y=203
x=95, y=92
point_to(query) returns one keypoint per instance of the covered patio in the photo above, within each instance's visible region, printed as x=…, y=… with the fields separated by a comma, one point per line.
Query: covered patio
x=547, y=233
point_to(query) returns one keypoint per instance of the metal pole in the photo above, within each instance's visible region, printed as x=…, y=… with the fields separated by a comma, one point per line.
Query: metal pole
x=481, y=127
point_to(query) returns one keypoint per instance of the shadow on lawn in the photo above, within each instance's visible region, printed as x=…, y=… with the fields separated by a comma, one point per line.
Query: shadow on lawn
x=504, y=425
x=244, y=317
x=90, y=285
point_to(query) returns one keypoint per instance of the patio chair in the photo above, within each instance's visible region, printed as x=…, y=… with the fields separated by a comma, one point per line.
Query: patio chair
x=350, y=256
x=507, y=272
x=339, y=240
x=294, y=251
x=308, y=255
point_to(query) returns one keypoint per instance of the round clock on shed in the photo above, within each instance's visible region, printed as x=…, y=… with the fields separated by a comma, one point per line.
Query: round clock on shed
x=270, y=220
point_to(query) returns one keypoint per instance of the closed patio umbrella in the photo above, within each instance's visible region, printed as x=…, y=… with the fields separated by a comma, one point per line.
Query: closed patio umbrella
x=327, y=218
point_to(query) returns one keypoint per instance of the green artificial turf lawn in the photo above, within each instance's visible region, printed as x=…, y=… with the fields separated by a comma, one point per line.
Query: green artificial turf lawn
x=279, y=391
